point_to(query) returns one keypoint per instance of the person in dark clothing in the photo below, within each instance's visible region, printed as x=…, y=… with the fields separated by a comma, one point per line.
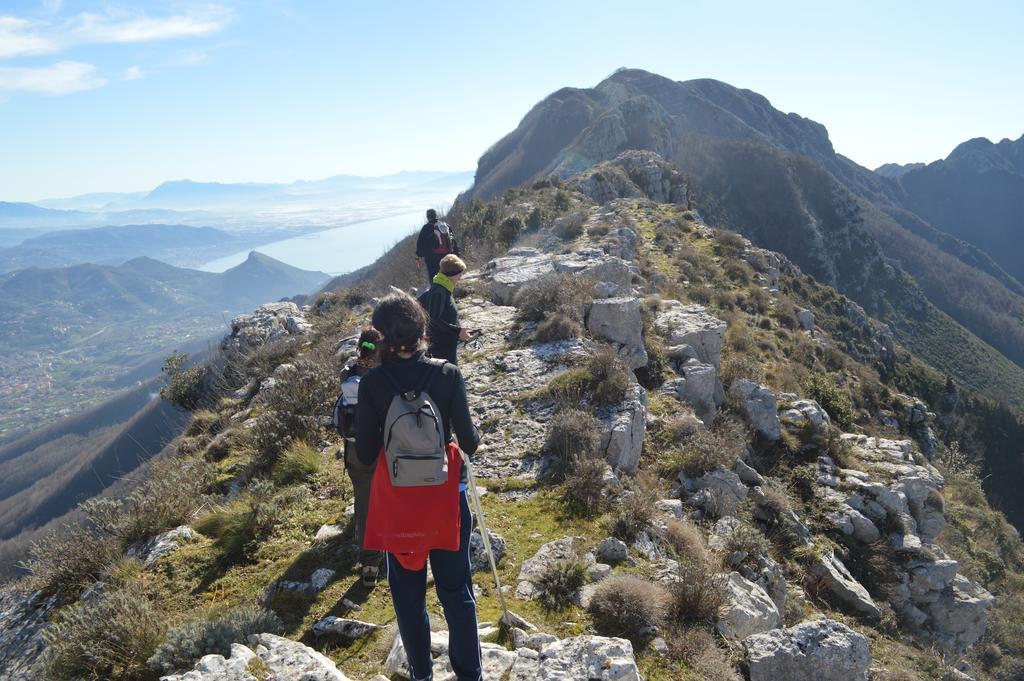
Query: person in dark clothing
x=435, y=241
x=445, y=332
x=403, y=322
x=367, y=358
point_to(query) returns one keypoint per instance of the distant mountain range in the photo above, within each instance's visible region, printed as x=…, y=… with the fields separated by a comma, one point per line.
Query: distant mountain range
x=186, y=195
x=73, y=335
x=776, y=177
x=975, y=194
x=174, y=244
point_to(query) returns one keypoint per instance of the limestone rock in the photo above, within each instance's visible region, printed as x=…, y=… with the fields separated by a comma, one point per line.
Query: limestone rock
x=691, y=325
x=699, y=386
x=717, y=492
x=348, y=629
x=478, y=555
x=806, y=319
x=810, y=651
x=830, y=575
x=23, y=618
x=623, y=440
x=758, y=405
x=748, y=610
x=612, y=550
x=618, y=320
x=595, y=658
x=151, y=551
x=287, y=660
x=532, y=568
x=268, y=323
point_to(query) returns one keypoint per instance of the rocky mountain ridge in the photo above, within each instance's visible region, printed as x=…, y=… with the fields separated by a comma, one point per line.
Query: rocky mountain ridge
x=659, y=420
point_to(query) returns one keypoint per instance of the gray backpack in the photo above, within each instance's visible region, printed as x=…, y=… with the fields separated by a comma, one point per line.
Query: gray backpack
x=414, y=442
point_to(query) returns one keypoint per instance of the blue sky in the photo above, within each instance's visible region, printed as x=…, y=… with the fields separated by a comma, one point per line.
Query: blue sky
x=119, y=96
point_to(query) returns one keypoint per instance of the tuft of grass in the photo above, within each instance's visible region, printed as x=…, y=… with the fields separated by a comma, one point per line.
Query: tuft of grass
x=560, y=583
x=299, y=463
x=627, y=606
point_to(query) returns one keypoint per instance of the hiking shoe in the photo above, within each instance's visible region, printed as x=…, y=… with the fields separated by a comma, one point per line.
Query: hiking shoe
x=369, y=576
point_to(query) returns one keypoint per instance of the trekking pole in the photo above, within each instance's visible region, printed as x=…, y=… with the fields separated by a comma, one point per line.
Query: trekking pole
x=507, y=618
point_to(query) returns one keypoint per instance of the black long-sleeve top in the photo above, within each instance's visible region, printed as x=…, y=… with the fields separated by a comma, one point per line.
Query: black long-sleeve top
x=447, y=389
x=444, y=321
x=427, y=240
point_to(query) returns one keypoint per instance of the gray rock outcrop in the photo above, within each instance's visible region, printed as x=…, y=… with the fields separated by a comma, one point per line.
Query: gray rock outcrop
x=287, y=660
x=758, y=405
x=748, y=610
x=810, y=651
x=618, y=320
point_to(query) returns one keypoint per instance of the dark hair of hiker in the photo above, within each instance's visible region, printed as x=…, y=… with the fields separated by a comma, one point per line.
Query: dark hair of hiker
x=400, y=318
x=431, y=215
x=369, y=344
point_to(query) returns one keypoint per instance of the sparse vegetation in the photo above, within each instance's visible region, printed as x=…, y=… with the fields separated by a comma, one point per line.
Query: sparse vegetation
x=560, y=583
x=184, y=382
x=627, y=606
x=189, y=642
x=553, y=294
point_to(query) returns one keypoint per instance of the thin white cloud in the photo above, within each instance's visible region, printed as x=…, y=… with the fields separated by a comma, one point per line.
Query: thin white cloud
x=122, y=27
x=21, y=37
x=61, y=78
x=18, y=39
x=133, y=73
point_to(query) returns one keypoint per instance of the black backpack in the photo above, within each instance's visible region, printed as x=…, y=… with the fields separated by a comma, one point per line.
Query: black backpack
x=343, y=417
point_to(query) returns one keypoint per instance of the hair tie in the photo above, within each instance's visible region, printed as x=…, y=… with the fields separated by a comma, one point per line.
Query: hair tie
x=368, y=345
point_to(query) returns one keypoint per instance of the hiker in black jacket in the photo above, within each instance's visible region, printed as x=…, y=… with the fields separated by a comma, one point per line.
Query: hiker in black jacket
x=445, y=332
x=435, y=241
x=402, y=321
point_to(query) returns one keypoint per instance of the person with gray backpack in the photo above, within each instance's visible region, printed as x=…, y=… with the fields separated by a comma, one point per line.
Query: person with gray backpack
x=409, y=409
x=344, y=421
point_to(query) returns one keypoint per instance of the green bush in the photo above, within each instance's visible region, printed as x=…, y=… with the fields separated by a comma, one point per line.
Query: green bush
x=299, y=463
x=109, y=637
x=294, y=406
x=510, y=229
x=747, y=539
x=611, y=377
x=188, y=643
x=823, y=391
x=183, y=384
x=535, y=219
x=627, y=606
x=554, y=293
x=635, y=510
x=560, y=582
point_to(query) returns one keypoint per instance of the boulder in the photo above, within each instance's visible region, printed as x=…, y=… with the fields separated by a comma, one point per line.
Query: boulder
x=718, y=492
x=478, y=555
x=691, y=325
x=595, y=658
x=925, y=504
x=623, y=438
x=758, y=406
x=170, y=541
x=268, y=323
x=612, y=550
x=497, y=660
x=810, y=651
x=618, y=320
x=509, y=273
x=287, y=660
x=829, y=575
x=532, y=568
x=959, y=616
x=748, y=610
x=347, y=629
x=698, y=386
x=806, y=319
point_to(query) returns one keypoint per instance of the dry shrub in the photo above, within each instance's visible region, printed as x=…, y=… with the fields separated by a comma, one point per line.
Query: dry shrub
x=611, y=377
x=635, y=510
x=583, y=488
x=686, y=539
x=706, y=450
x=174, y=492
x=191, y=641
x=560, y=582
x=747, y=539
x=554, y=293
x=627, y=606
x=698, y=648
x=295, y=405
x=109, y=637
x=699, y=593
x=570, y=226
x=573, y=433
x=66, y=561
x=558, y=327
